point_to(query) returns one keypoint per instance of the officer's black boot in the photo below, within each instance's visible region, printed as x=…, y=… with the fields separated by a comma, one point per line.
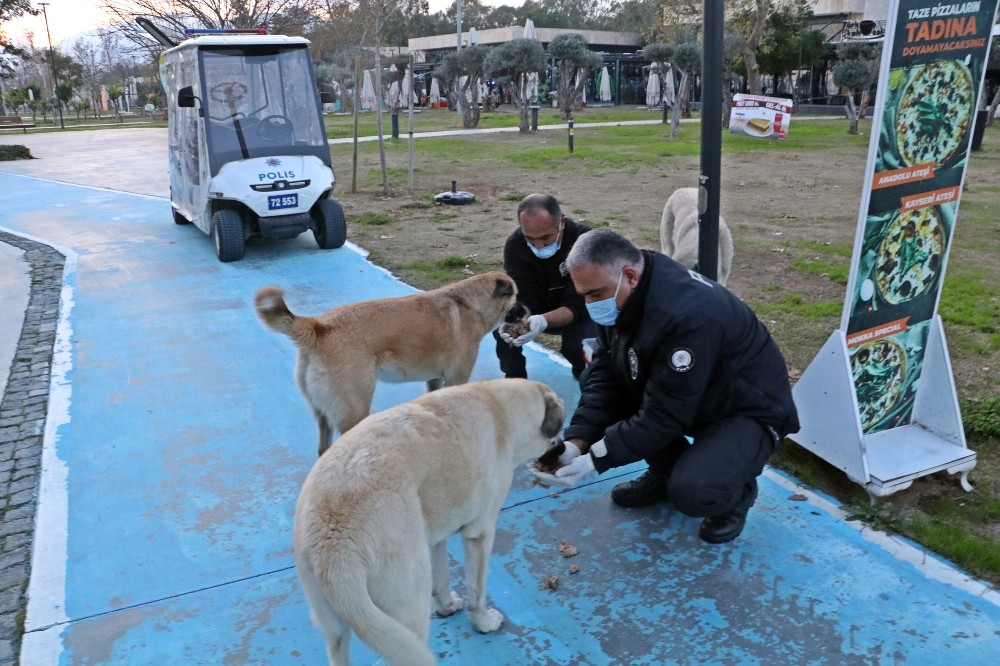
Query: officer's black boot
x=648, y=489
x=728, y=526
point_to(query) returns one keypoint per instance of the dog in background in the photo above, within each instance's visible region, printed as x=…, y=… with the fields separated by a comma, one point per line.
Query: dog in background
x=679, y=233
x=431, y=336
x=374, y=513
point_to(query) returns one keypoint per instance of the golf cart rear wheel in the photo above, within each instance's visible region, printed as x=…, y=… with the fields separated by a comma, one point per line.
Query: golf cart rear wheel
x=329, y=226
x=178, y=218
x=227, y=232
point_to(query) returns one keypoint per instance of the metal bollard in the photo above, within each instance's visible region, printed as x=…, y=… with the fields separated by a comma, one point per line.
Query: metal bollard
x=395, y=125
x=534, y=117
x=664, y=113
x=571, y=135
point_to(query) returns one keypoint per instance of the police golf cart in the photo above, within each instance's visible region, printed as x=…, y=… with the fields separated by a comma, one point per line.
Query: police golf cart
x=248, y=149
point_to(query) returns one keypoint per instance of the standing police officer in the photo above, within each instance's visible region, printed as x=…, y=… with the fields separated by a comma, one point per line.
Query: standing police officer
x=532, y=256
x=679, y=355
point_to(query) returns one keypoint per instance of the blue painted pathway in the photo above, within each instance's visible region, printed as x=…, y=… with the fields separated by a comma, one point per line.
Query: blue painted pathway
x=176, y=444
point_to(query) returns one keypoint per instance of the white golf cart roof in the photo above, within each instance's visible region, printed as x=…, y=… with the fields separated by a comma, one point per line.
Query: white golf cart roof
x=239, y=40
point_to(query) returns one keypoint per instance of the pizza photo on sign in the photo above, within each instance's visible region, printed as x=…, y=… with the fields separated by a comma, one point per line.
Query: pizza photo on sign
x=910, y=254
x=934, y=112
x=879, y=372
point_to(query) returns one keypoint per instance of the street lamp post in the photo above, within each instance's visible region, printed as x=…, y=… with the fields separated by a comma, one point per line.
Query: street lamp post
x=52, y=62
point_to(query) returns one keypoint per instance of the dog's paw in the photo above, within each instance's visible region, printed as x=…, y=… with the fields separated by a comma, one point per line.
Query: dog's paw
x=487, y=621
x=452, y=606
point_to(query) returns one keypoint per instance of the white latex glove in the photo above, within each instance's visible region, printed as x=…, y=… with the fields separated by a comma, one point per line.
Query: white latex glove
x=571, y=474
x=504, y=335
x=536, y=324
x=572, y=451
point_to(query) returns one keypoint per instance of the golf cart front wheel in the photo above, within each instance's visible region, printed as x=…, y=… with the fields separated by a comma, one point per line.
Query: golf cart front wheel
x=329, y=226
x=227, y=232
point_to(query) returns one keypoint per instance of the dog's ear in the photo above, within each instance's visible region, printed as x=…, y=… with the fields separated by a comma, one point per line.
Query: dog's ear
x=555, y=414
x=503, y=288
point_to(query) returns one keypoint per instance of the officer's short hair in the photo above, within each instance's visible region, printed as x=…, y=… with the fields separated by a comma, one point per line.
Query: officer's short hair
x=604, y=248
x=536, y=202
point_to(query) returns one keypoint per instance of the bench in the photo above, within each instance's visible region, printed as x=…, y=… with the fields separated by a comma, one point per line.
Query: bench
x=14, y=122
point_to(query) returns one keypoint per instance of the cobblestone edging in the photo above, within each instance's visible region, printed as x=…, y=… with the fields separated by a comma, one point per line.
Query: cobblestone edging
x=22, y=428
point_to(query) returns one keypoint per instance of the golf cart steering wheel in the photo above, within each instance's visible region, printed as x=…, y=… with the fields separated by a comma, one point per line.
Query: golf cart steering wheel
x=276, y=129
x=228, y=92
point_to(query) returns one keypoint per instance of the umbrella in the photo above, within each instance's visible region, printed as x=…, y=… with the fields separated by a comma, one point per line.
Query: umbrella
x=668, y=90
x=653, y=87
x=407, y=96
x=435, y=91
x=529, y=82
x=604, y=93
x=367, y=92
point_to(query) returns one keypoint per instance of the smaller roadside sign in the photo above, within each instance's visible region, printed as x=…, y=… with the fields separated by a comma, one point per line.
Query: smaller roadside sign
x=760, y=117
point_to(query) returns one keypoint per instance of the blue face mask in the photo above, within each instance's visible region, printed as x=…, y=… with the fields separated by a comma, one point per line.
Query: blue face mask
x=605, y=312
x=548, y=251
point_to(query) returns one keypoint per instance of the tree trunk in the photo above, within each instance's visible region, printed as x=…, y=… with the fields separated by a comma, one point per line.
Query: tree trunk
x=852, y=114
x=993, y=107
x=675, y=120
x=567, y=92
x=470, y=111
x=865, y=99
x=378, y=104
x=521, y=99
x=753, y=72
x=727, y=103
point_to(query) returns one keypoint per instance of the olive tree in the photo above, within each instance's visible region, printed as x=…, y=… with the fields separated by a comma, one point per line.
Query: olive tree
x=461, y=73
x=513, y=61
x=575, y=61
x=856, y=71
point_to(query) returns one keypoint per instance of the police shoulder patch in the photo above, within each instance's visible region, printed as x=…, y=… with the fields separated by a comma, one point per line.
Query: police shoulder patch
x=681, y=359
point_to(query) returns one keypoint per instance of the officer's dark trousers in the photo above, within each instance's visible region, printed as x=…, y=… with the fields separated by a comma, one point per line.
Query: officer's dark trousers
x=512, y=362
x=713, y=476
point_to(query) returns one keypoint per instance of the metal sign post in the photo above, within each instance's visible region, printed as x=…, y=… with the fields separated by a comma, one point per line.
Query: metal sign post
x=711, y=142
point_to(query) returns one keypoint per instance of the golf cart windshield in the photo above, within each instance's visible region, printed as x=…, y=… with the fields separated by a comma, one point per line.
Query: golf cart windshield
x=260, y=101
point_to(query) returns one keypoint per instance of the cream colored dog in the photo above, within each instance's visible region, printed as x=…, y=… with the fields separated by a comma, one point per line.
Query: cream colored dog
x=679, y=233
x=432, y=336
x=374, y=513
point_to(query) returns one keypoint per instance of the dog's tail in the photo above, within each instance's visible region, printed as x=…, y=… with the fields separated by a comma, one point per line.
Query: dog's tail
x=390, y=638
x=270, y=305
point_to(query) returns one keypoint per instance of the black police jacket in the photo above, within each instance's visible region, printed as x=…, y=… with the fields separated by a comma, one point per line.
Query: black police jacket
x=684, y=353
x=540, y=283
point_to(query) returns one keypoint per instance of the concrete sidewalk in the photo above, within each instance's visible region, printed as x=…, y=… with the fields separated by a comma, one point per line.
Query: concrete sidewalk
x=175, y=444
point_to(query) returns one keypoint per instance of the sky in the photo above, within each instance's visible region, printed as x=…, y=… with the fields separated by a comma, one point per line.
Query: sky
x=68, y=18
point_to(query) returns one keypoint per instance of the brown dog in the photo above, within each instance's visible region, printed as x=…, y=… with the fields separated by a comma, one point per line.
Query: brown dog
x=431, y=336
x=374, y=515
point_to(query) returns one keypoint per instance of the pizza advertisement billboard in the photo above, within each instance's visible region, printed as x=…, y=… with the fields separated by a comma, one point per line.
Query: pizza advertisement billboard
x=760, y=117
x=931, y=77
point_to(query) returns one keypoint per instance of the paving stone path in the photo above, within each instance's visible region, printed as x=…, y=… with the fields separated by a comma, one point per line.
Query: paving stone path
x=22, y=427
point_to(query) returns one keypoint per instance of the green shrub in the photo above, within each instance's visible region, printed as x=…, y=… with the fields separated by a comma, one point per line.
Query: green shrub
x=14, y=152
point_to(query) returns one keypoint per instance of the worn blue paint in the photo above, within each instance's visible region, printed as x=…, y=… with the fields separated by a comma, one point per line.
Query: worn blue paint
x=187, y=442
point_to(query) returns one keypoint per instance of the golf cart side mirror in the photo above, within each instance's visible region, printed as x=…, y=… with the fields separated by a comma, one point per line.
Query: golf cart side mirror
x=185, y=97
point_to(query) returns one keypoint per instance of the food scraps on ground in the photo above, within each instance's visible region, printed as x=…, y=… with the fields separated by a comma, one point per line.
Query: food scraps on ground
x=550, y=583
x=566, y=549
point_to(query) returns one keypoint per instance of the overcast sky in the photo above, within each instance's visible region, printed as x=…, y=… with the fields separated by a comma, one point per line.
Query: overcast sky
x=68, y=18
